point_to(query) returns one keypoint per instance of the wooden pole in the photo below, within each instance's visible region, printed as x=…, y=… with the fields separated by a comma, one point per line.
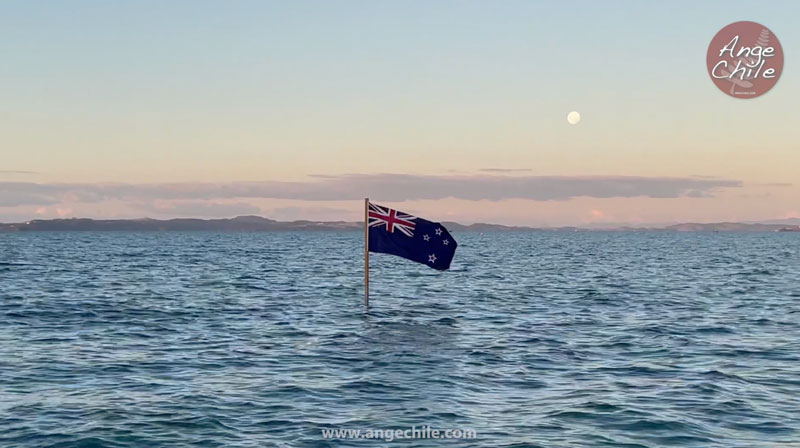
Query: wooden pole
x=366, y=252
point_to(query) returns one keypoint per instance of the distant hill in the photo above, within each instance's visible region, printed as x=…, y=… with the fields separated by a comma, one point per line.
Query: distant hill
x=260, y=224
x=725, y=227
x=789, y=222
x=240, y=223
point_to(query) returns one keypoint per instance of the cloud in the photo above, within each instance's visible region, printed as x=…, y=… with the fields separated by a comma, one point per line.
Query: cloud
x=775, y=184
x=505, y=170
x=17, y=172
x=22, y=196
x=387, y=187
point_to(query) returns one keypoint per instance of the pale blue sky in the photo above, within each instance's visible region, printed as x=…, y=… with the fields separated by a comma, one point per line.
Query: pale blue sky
x=176, y=91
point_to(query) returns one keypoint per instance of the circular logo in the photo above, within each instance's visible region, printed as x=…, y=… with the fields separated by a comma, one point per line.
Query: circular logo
x=745, y=59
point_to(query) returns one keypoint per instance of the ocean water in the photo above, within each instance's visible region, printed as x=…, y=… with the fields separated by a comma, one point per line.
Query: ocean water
x=532, y=340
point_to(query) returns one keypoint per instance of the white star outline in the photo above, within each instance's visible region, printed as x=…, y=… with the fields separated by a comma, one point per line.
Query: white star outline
x=432, y=258
x=439, y=231
x=446, y=242
x=426, y=237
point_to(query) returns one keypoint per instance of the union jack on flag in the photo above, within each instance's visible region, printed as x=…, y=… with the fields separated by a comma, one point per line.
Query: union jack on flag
x=391, y=219
x=397, y=233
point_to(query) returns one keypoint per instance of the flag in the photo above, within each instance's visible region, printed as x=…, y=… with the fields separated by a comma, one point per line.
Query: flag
x=397, y=233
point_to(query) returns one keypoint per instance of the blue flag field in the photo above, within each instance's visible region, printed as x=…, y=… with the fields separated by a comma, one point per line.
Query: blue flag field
x=416, y=239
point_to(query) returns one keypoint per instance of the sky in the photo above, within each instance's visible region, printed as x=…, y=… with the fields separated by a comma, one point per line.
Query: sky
x=452, y=110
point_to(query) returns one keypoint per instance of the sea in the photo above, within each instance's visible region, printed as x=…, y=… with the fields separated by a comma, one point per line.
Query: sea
x=532, y=339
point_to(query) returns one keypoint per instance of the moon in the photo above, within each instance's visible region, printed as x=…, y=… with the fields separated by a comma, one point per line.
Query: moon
x=573, y=117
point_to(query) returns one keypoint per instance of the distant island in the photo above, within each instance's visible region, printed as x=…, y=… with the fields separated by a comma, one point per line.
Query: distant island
x=260, y=224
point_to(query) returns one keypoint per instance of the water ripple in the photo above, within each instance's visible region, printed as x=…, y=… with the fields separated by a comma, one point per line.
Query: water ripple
x=533, y=340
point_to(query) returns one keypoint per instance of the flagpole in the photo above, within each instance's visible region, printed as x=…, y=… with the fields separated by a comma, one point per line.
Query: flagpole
x=366, y=252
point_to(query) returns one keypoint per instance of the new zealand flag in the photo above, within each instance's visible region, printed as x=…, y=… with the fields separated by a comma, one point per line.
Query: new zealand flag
x=397, y=233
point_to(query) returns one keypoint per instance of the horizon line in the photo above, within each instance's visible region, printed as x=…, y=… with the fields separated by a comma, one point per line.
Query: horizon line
x=594, y=226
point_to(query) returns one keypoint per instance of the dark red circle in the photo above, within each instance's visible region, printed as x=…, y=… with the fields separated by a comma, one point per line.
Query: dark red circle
x=745, y=59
